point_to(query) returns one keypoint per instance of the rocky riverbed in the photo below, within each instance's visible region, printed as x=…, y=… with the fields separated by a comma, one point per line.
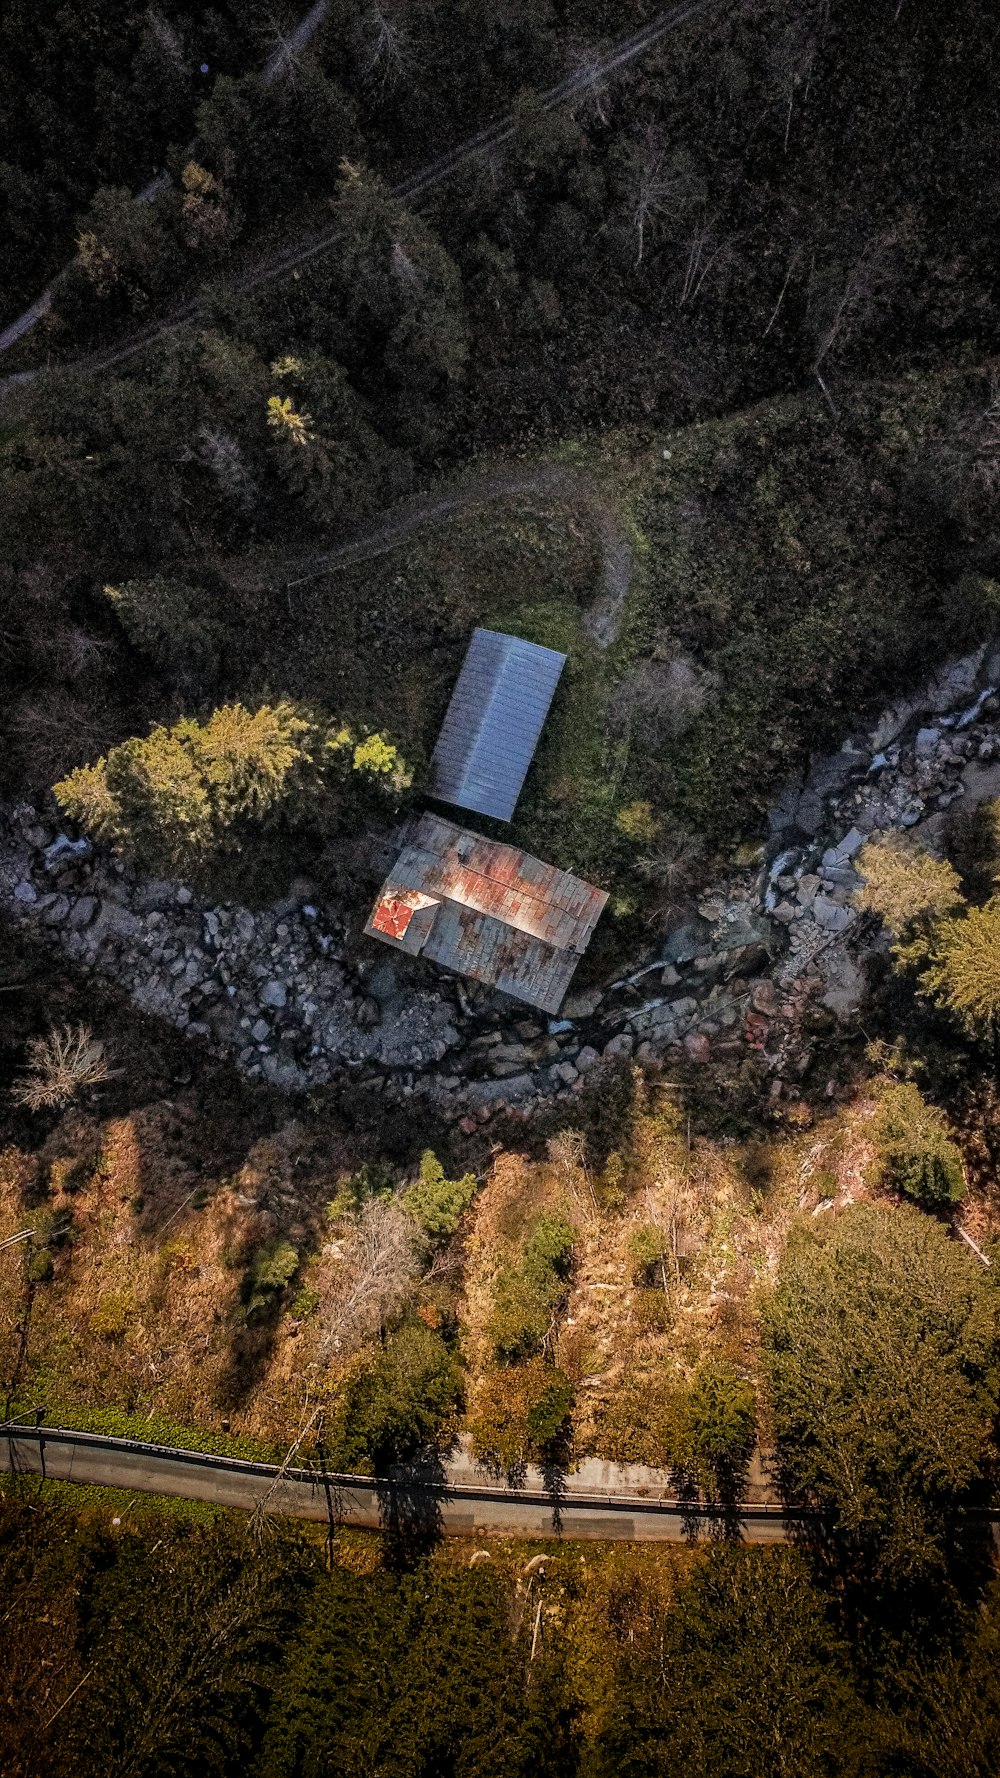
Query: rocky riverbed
x=294, y=997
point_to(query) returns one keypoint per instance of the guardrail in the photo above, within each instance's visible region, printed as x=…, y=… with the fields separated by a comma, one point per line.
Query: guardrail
x=562, y=1498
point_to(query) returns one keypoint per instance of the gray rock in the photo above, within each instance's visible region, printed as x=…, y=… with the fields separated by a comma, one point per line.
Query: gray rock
x=784, y=912
x=687, y=942
x=510, y=1052
x=622, y=1045
x=565, y=1072
x=245, y=926
x=82, y=911
x=835, y=770
x=26, y=893
x=274, y=994
x=810, y=811
x=383, y=983
x=830, y=915
x=926, y=741
x=56, y=911
x=63, y=848
x=261, y=1031
x=582, y=1005
x=806, y=891
x=184, y=896
x=587, y=1059
x=842, y=851
x=500, y=1092
x=670, y=977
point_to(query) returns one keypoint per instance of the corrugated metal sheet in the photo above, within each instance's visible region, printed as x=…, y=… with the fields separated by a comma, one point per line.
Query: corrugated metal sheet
x=489, y=736
x=488, y=911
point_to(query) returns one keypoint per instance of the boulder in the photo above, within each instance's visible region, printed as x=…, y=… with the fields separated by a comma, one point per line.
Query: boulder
x=621, y=1045
x=587, y=1059
x=582, y=1005
x=830, y=915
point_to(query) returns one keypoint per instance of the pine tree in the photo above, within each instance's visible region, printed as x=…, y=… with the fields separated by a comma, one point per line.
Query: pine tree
x=181, y=798
x=964, y=971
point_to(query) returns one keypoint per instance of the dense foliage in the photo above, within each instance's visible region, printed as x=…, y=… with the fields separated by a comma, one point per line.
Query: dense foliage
x=881, y=1353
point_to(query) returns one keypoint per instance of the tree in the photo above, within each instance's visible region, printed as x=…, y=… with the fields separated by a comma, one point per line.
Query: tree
x=179, y=1641
x=177, y=625
x=915, y=1151
x=527, y=1296
x=746, y=1679
x=374, y=1278
x=438, y=1204
x=60, y=1065
x=398, y=1402
x=880, y=1346
x=909, y=889
x=182, y=798
x=964, y=969
x=712, y=1429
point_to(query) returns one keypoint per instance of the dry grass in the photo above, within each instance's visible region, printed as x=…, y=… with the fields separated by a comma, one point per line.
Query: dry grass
x=722, y=1210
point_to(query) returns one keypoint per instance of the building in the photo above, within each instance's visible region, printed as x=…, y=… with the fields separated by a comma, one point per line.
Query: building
x=500, y=701
x=488, y=911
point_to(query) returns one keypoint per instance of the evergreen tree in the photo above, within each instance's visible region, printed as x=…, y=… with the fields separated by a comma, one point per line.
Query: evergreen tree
x=964, y=969
x=747, y=1680
x=182, y=797
x=915, y=1152
x=880, y=1349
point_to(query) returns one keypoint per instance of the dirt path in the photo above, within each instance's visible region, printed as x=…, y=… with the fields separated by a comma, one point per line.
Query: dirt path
x=602, y=621
x=308, y=247
x=274, y=69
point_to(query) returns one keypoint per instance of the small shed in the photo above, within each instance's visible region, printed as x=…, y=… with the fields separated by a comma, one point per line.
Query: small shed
x=500, y=701
x=487, y=911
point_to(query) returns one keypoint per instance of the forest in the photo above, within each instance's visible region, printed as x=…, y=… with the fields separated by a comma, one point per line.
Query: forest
x=668, y=341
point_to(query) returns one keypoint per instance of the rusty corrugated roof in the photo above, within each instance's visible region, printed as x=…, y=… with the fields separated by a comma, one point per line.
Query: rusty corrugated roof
x=490, y=912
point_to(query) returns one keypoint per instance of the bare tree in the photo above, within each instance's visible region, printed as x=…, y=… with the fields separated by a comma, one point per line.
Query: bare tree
x=665, y=187
x=842, y=304
x=792, y=63
x=384, y=45
x=377, y=1268
x=60, y=1065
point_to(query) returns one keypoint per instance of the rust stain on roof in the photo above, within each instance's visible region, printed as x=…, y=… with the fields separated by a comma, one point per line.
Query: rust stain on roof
x=488, y=911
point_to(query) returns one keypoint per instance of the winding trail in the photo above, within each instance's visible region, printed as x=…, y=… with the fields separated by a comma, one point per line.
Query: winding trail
x=602, y=621
x=313, y=245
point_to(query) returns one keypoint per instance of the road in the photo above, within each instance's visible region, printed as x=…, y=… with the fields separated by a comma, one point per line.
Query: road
x=416, y=1505
x=482, y=145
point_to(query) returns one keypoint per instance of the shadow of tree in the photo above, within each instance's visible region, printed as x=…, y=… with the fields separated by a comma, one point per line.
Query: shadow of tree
x=410, y=1499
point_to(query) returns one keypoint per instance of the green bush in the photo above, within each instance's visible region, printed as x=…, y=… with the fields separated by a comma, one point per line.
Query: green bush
x=525, y=1297
x=269, y=1273
x=435, y=1202
x=521, y=1414
x=915, y=1153
x=647, y=1250
x=397, y=1402
x=714, y=1429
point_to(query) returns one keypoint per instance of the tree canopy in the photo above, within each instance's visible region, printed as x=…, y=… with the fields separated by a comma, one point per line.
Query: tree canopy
x=880, y=1349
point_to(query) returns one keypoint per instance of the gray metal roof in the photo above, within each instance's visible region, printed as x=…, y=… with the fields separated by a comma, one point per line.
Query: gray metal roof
x=497, y=709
